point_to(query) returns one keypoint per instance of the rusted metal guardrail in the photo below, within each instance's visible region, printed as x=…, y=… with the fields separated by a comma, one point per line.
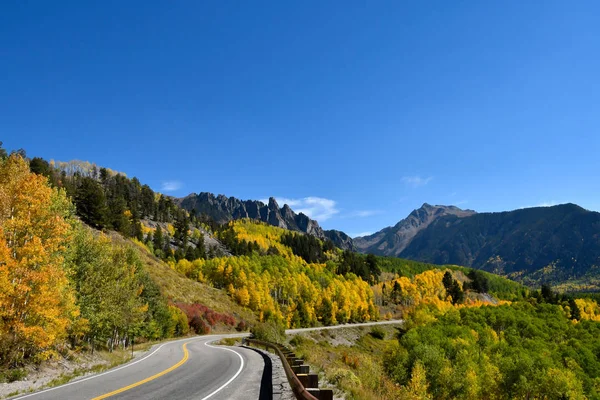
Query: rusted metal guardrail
x=297, y=373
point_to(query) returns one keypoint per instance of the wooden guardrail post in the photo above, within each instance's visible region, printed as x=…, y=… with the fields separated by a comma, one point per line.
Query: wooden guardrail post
x=309, y=380
x=298, y=388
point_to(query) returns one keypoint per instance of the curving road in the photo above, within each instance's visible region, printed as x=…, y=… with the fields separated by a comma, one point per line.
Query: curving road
x=184, y=369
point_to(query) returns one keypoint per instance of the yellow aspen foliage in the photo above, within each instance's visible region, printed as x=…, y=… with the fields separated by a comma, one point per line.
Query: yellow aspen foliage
x=472, y=385
x=36, y=301
x=282, y=286
x=417, y=387
x=146, y=229
x=184, y=267
x=242, y=296
x=589, y=309
x=171, y=230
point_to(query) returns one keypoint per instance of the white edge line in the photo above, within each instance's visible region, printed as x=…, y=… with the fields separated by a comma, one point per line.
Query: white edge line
x=99, y=375
x=233, y=377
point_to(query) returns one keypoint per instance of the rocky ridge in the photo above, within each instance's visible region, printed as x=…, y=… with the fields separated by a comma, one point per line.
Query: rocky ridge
x=224, y=209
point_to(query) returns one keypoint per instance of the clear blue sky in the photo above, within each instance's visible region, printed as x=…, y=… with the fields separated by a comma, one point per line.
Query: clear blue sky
x=371, y=107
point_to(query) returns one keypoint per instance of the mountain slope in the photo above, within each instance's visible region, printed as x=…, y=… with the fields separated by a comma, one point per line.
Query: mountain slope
x=224, y=209
x=544, y=244
x=392, y=240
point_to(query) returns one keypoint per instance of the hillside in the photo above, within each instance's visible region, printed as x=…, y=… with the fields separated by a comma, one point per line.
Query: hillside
x=534, y=245
x=177, y=288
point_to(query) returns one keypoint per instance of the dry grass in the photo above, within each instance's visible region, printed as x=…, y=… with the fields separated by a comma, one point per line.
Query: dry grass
x=354, y=367
x=179, y=288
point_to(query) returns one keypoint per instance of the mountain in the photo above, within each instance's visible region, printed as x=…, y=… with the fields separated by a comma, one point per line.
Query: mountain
x=392, y=240
x=551, y=243
x=224, y=209
x=558, y=245
x=340, y=239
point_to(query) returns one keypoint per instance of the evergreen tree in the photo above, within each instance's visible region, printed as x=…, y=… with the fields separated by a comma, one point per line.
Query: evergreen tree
x=456, y=293
x=158, y=240
x=447, y=281
x=383, y=294
x=575, y=311
x=453, y=288
x=548, y=294
x=396, y=292
x=90, y=202
x=373, y=266
x=181, y=229
x=479, y=282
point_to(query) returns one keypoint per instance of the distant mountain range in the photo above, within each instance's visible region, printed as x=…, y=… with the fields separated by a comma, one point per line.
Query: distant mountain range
x=543, y=244
x=534, y=245
x=224, y=209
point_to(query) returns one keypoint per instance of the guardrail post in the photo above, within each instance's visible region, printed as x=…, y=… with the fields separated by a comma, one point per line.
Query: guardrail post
x=309, y=380
x=298, y=388
x=301, y=369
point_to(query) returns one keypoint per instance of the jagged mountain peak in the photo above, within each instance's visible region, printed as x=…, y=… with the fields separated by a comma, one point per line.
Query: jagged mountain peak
x=392, y=240
x=223, y=209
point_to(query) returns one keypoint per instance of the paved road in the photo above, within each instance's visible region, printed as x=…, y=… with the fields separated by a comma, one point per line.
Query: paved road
x=184, y=369
x=179, y=370
x=321, y=328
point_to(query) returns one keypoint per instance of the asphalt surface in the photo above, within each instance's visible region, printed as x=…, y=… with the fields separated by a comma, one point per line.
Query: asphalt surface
x=178, y=370
x=185, y=369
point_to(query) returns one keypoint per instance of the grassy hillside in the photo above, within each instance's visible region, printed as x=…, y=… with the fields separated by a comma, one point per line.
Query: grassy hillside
x=177, y=288
x=271, y=279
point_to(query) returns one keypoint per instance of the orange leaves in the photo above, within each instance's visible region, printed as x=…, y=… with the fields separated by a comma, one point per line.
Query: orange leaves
x=35, y=298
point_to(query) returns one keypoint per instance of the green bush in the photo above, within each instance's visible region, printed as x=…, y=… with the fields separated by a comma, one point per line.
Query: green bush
x=296, y=340
x=16, y=374
x=377, y=333
x=269, y=331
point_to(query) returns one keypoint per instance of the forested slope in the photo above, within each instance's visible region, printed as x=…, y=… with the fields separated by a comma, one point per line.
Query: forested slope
x=65, y=283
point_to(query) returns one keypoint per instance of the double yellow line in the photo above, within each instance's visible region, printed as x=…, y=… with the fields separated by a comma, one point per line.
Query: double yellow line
x=186, y=355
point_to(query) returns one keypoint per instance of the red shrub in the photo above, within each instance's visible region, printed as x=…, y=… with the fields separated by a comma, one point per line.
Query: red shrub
x=201, y=318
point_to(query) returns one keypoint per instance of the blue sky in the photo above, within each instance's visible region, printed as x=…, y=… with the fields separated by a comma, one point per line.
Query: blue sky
x=356, y=112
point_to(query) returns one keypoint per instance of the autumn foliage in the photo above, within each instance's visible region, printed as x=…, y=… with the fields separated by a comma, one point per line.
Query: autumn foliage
x=202, y=318
x=284, y=287
x=37, y=303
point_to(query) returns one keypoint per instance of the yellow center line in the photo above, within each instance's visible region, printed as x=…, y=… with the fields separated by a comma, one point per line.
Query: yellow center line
x=136, y=384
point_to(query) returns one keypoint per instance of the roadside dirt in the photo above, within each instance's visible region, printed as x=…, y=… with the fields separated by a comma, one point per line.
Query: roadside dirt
x=60, y=371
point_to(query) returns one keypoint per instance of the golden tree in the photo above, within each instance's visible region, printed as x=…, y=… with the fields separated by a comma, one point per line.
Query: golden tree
x=36, y=301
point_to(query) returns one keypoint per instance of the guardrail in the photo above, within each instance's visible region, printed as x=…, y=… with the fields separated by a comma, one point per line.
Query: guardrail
x=304, y=385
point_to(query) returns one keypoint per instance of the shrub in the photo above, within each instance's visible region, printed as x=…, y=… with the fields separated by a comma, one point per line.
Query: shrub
x=269, y=331
x=199, y=325
x=201, y=318
x=339, y=375
x=241, y=326
x=16, y=374
x=377, y=333
x=350, y=361
x=296, y=340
